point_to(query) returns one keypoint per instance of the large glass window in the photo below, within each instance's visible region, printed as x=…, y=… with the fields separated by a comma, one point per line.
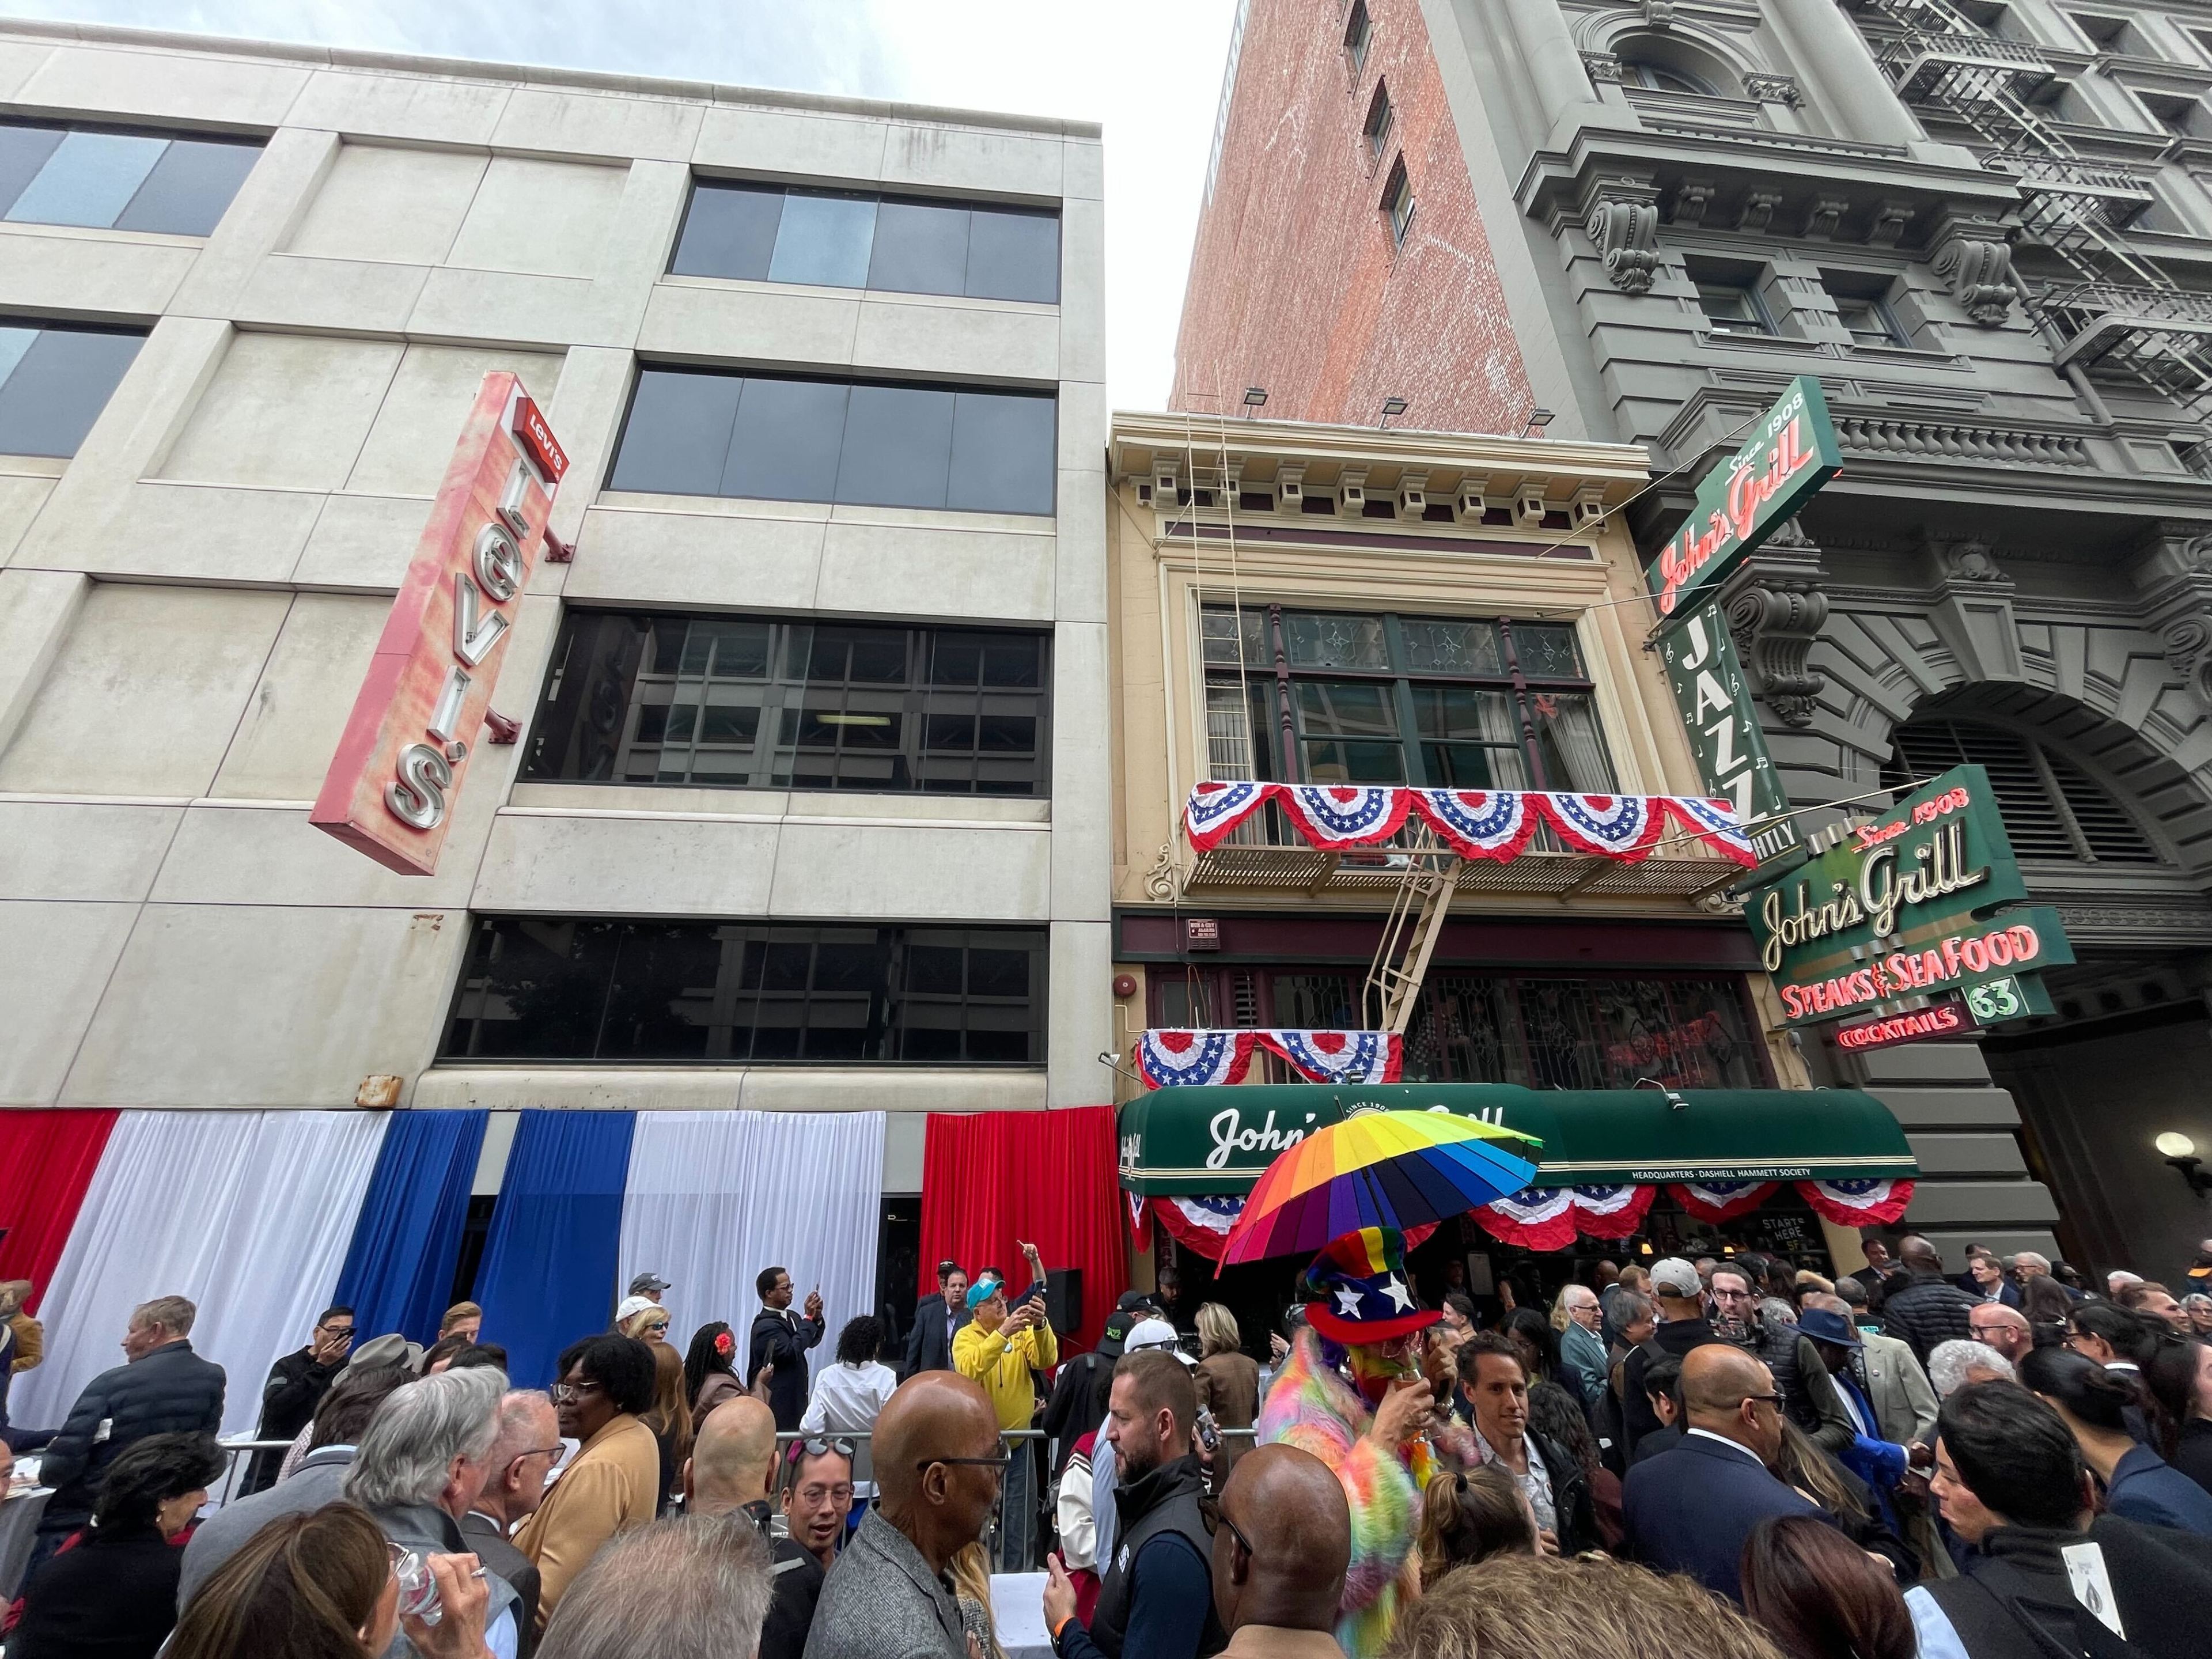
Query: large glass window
x=793, y=439
x=567, y=988
x=849, y=238
x=1434, y=701
x=744, y=703
x=61, y=175
x=54, y=382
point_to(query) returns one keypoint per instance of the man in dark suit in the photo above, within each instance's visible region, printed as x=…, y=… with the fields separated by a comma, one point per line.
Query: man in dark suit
x=780, y=1339
x=1690, y=1509
x=929, y=1343
x=528, y=1446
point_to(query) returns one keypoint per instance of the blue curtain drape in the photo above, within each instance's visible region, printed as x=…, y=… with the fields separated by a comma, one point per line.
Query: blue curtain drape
x=398, y=1271
x=549, y=1265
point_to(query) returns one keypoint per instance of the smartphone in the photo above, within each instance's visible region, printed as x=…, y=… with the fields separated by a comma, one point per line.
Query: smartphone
x=1209, y=1433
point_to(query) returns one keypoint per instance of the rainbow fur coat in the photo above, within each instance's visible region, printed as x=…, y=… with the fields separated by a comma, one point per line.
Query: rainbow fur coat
x=1313, y=1408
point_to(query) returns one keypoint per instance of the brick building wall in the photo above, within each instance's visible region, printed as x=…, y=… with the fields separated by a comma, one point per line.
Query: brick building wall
x=1293, y=246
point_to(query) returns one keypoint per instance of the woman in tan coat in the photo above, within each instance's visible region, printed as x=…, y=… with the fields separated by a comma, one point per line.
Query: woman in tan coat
x=1228, y=1381
x=614, y=1484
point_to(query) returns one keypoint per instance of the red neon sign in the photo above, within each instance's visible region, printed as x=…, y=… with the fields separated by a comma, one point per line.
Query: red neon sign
x=406, y=752
x=1942, y=1020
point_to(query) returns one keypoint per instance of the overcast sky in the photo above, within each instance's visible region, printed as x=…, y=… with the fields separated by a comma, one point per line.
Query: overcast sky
x=1150, y=70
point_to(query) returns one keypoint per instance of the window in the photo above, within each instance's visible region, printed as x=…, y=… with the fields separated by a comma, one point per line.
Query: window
x=1734, y=308
x=744, y=703
x=1662, y=77
x=1380, y=120
x=2052, y=809
x=1432, y=701
x=1359, y=35
x=851, y=239
x=784, y=437
x=583, y=988
x=54, y=381
x=59, y=175
x=1398, y=202
x=2172, y=111
x=1868, y=320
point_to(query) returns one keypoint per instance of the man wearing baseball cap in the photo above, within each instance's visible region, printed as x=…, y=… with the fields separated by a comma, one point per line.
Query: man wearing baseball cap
x=1680, y=1294
x=1374, y=1431
x=649, y=1285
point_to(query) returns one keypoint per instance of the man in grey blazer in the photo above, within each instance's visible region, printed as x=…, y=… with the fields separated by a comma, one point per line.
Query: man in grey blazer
x=938, y=1465
x=528, y=1446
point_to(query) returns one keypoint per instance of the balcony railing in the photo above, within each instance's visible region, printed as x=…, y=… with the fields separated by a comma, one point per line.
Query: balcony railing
x=1952, y=68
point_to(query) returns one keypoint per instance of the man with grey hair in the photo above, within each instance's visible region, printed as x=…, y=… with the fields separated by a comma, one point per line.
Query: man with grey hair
x=1582, y=1350
x=2028, y=1263
x=419, y=1468
x=1953, y=1365
x=161, y=1388
x=693, y=1589
x=515, y=1471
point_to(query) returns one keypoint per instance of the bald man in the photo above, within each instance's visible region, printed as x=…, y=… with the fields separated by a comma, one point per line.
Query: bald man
x=937, y=1468
x=731, y=1472
x=1690, y=1509
x=2002, y=1327
x=1279, y=1556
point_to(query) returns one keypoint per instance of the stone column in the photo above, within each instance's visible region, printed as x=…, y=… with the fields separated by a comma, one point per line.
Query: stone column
x=1548, y=51
x=1829, y=50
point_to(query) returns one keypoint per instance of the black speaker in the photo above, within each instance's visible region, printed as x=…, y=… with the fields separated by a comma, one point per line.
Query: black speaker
x=1063, y=1299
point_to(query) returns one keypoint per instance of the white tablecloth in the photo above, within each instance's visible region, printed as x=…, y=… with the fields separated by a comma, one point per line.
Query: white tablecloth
x=19, y=1525
x=1017, y=1610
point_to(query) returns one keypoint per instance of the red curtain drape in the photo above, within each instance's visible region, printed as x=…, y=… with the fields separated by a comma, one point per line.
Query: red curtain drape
x=990, y=1180
x=48, y=1156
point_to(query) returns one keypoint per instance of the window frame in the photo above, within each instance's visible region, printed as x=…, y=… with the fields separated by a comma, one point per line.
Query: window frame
x=1644, y=73
x=39, y=328
x=1270, y=694
x=1763, y=321
x=166, y=136
x=1381, y=123
x=578, y=683
x=888, y=996
x=1358, y=36
x=1397, y=188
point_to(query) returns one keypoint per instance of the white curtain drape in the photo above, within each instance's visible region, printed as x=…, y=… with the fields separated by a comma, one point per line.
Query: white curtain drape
x=248, y=1214
x=715, y=1197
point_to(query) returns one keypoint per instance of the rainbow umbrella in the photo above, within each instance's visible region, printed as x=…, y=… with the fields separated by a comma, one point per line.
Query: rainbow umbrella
x=1377, y=1169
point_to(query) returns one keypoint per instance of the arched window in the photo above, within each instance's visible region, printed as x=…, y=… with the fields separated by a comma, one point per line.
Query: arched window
x=2052, y=809
x=1656, y=76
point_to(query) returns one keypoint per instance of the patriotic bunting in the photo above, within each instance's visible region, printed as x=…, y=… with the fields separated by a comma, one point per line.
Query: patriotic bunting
x=1614, y=1212
x=1141, y=1221
x=1624, y=827
x=1216, y=809
x=1330, y=816
x=1535, y=1219
x=1197, y=1223
x=1479, y=823
x=1721, y=1200
x=1165, y=1057
x=1194, y=1057
x=1858, y=1203
x=1476, y=823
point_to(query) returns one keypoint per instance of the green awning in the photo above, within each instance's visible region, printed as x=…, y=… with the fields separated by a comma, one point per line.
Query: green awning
x=1219, y=1139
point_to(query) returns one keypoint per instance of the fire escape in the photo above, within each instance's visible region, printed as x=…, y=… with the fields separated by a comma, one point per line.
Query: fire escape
x=2113, y=310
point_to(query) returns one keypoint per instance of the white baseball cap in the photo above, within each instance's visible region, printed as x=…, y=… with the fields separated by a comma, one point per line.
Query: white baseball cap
x=1676, y=1276
x=1156, y=1334
x=633, y=1305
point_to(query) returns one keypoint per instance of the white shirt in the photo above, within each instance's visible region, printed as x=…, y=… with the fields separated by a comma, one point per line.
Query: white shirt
x=1535, y=1485
x=1733, y=1445
x=847, y=1400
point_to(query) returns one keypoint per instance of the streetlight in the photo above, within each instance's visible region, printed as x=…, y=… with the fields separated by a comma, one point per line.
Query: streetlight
x=1392, y=408
x=1538, y=419
x=1255, y=396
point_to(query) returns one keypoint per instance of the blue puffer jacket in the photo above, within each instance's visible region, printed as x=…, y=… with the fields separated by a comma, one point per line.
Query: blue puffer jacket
x=171, y=1390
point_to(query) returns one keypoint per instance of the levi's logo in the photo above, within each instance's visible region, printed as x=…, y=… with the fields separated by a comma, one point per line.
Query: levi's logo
x=534, y=435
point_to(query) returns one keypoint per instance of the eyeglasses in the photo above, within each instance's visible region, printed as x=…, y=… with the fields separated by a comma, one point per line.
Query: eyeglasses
x=1773, y=1400
x=556, y=1452
x=818, y=1448
x=1215, y=1518
x=946, y=1269
x=657, y=1325
x=998, y=1463
x=562, y=1393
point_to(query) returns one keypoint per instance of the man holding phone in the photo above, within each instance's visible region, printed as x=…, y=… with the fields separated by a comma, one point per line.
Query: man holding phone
x=296, y=1385
x=998, y=1348
x=779, y=1341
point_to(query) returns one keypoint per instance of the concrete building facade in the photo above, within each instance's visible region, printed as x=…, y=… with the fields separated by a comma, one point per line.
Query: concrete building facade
x=1986, y=228
x=810, y=806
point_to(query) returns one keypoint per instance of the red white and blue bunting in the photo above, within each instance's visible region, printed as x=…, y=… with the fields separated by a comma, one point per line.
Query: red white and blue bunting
x=1860, y=1203
x=1721, y=1200
x=1535, y=1219
x=1614, y=1212
x=1185, y=1057
x=1476, y=823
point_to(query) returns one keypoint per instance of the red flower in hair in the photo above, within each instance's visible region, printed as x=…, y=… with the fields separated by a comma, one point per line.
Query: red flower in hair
x=725, y=1343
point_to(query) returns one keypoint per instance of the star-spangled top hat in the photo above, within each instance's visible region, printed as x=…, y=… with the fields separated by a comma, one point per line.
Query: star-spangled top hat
x=1357, y=1291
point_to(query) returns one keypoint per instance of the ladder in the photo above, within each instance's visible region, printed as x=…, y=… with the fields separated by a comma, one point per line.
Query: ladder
x=1410, y=932
x=2116, y=310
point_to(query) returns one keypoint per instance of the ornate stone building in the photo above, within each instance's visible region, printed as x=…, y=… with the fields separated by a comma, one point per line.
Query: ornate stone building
x=1987, y=227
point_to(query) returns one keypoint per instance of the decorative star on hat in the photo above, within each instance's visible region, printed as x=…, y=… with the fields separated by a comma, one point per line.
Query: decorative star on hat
x=1356, y=1288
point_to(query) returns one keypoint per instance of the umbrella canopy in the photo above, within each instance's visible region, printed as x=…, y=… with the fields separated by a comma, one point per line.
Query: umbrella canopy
x=1377, y=1169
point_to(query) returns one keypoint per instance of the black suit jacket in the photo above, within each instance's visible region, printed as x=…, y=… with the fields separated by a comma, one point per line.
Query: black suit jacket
x=927, y=1346
x=1690, y=1509
x=171, y=1390
x=484, y=1535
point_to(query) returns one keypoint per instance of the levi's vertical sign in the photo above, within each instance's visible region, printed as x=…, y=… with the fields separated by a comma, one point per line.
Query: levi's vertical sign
x=391, y=786
x=1789, y=454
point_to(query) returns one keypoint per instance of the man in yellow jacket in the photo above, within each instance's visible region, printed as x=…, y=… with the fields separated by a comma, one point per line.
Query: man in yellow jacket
x=1000, y=1348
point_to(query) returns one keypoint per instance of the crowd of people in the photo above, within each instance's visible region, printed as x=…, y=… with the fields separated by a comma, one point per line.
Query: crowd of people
x=1717, y=1454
